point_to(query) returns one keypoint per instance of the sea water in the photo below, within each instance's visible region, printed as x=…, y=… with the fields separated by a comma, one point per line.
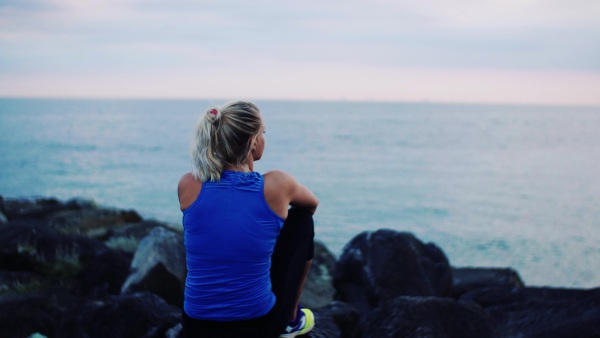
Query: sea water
x=492, y=185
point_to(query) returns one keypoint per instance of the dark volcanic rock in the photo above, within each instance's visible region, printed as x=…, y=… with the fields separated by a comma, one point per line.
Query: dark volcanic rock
x=88, y=220
x=336, y=319
x=58, y=281
x=470, y=278
x=31, y=246
x=38, y=311
x=76, y=216
x=28, y=208
x=127, y=236
x=57, y=313
x=21, y=282
x=427, y=317
x=541, y=312
x=384, y=264
x=135, y=315
x=106, y=272
x=159, y=266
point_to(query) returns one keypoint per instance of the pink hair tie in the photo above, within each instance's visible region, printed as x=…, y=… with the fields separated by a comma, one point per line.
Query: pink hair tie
x=214, y=112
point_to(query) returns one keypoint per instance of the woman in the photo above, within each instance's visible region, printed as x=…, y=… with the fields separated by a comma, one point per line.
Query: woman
x=248, y=253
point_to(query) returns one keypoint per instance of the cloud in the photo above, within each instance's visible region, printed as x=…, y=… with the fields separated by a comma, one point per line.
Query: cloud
x=135, y=39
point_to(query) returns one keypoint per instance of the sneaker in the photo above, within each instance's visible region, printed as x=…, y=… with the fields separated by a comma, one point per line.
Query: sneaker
x=305, y=321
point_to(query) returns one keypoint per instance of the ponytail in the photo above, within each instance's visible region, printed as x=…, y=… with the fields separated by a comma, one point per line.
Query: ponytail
x=222, y=137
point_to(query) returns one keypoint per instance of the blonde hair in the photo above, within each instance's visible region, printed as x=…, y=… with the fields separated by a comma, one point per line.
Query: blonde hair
x=223, y=137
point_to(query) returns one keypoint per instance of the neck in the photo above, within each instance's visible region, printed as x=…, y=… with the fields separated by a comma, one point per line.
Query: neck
x=245, y=168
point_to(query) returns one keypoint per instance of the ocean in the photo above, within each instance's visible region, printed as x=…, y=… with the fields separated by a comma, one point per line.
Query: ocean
x=491, y=185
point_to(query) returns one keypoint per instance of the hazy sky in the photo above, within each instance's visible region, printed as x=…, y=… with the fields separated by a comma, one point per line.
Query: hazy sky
x=495, y=51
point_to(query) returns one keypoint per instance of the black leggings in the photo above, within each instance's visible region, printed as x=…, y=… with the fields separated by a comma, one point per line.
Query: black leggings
x=294, y=247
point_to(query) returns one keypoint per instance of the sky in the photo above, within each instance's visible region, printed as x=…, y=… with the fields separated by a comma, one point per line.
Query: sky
x=459, y=51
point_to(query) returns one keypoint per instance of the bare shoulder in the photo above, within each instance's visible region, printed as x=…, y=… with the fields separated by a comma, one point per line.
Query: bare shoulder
x=277, y=191
x=282, y=188
x=279, y=181
x=186, y=177
x=278, y=177
x=186, y=180
x=188, y=190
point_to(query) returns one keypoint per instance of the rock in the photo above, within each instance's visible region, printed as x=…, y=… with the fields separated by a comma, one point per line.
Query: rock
x=336, y=319
x=22, y=315
x=84, y=221
x=57, y=313
x=540, y=312
x=318, y=290
x=77, y=216
x=29, y=245
x=78, y=203
x=27, y=208
x=58, y=282
x=174, y=332
x=381, y=265
x=21, y=282
x=105, y=273
x=318, y=332
x=502, y=295
x=159, y=266
x=134, y=315
x=470, y=278
x=125, y=237
x=37, y=335
x=427, y=317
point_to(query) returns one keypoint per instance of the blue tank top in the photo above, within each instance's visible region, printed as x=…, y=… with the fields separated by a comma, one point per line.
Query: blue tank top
x=229, y=234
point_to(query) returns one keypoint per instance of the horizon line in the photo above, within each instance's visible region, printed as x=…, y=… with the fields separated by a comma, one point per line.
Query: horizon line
x=315, y=100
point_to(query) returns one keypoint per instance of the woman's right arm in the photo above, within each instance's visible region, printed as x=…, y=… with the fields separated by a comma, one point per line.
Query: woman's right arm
x=301, y=196
x=282, y=190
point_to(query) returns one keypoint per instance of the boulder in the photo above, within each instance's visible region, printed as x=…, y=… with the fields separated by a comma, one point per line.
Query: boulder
x=427, y=317
x=105, y=273
x=318, y=332
x=28, y=208
x=24, y=314
x=159, y=266
x=540, y=311
x=336, y=319
x=385, y=264
x=29, y=245
x=124, y=237
x=175, y=332
x=19, y=282
x=76, y=216
x=56, y=312
x=59, y=279
x=469, y=278
x=134, y=315
x=90, y=220
x=49, y=255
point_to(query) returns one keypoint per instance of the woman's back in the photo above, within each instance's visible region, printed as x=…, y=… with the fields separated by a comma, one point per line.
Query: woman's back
x=230, y=232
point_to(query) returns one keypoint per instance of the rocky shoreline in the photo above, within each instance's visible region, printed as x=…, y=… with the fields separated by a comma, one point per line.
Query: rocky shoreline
x=76, y=269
